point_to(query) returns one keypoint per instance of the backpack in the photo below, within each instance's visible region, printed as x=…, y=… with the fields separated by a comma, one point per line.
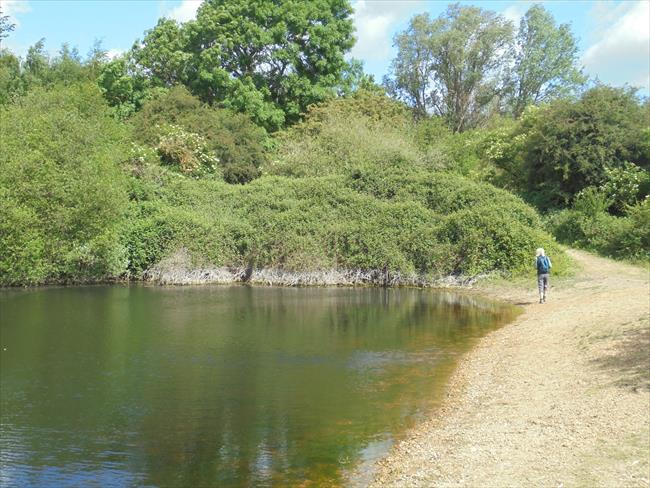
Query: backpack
x=542, y=265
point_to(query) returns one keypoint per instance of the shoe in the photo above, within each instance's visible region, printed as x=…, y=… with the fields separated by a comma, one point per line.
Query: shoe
x=540, y=301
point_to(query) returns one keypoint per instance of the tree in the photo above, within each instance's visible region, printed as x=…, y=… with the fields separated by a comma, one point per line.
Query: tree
x=96, y=59
x=546, y=59
x=354, y=79
x=572, y=145
x=452, y=66
x=36, y=67
x=413, y=68
x=67, y=67
x=163, y=54
x=122, y=87
x=6, y=26
x=268, y=58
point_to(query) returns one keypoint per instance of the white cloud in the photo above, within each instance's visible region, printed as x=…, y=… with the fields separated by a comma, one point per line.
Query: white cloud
x=374, y=21
x=14, y=7
x=185, y=11
x=114, y=53
x=515, y=12
x=621, y=51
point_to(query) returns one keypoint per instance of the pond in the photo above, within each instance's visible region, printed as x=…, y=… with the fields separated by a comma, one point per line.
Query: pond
x=220, y=386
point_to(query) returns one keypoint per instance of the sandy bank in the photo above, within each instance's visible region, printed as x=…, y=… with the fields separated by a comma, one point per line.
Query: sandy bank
x=560, y=397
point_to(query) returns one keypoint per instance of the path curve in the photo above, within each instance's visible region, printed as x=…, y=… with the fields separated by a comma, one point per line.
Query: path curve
x=558, y=398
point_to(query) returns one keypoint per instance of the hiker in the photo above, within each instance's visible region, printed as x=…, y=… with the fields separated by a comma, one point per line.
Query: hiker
x=543, y=263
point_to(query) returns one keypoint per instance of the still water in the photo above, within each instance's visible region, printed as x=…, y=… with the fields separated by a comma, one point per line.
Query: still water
x=220, y=386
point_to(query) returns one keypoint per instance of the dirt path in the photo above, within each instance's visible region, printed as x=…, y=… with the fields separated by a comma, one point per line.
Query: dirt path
x=559, y=398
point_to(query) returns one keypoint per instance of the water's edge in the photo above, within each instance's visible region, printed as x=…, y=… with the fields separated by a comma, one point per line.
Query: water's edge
x=177, y=270
x=363, y=474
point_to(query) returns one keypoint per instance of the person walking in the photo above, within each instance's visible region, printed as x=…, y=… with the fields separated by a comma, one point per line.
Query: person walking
x=543, y=263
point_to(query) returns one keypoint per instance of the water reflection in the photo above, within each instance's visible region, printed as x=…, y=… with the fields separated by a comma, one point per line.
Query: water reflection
x=218, y=386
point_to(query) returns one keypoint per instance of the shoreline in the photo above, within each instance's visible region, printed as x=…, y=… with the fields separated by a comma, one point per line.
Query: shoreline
x=177, y=269
x=558, y=397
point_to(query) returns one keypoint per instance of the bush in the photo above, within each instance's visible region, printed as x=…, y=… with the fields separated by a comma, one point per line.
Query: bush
x=238, y=144
x=62, y=191
x=84, y=203
x=619, y=237
x=443, y=193
x=591, y=202
x=340, y=137
x=570, y=145
x=186, y=152
x=411, y=225
x=625, y=186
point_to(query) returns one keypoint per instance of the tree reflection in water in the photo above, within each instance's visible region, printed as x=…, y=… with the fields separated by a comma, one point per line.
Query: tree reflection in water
x=227, y=386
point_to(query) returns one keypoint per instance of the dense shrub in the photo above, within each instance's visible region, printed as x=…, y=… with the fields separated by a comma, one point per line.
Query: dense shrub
x=186, y=151
x=441, y=192
x=63, y=194
x=626, y=237
x=571, y=145
x=624, y=186
x=235, y=141
x=336, y=222
x=349, y=134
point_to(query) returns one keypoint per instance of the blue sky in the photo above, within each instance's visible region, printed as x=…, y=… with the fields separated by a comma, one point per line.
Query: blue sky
x=614, y=36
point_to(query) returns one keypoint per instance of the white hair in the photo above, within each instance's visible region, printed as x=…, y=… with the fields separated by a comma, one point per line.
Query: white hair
x=540, y=251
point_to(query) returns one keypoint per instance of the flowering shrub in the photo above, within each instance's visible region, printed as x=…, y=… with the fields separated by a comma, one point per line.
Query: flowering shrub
x=623, y=185
x=139, y=156
x=186, y=151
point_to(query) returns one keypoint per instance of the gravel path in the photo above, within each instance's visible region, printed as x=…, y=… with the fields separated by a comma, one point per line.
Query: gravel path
x=558, y=398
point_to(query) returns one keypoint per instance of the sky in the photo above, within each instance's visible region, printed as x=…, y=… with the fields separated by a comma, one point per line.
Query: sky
x=613, y=35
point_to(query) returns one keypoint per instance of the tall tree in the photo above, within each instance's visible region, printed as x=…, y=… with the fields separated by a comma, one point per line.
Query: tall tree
x=413, y=68
x=268, y=58
x=164, y=53
x=546, y=58
x=453, y=65
x=6, y=26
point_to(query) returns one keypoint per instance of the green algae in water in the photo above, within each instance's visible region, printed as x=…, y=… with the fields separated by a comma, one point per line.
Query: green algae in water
x=220, y=386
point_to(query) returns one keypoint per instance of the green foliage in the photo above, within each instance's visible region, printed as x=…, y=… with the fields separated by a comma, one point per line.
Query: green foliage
x=451, y=66
x=123, y=89
x=11, y=84
x=63, y=195
x=591, y=202
x=619, y=237
x=546, y=60
x=486, y=238
x=186, y=151
x=571, y=145
x=39, y=69
x=88, y=196
x=625, y=186
x=232, y=138
x=6, y=26
x=553, y=152
x=347, y=134
x=268, y=59
x=354, y=80
x=400, y=220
